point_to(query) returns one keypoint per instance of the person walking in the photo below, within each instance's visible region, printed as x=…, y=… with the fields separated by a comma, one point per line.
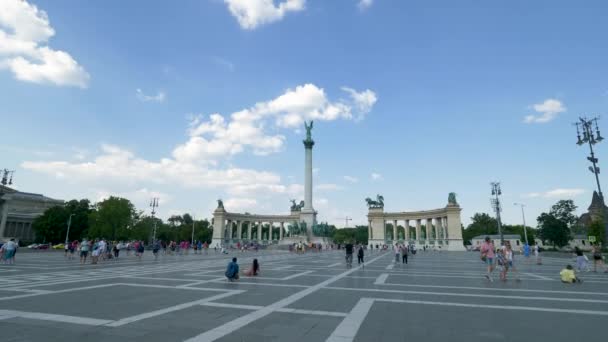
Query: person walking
x=581, y=260
x=598, y=260
x=404, y=253
x=537, y=255
x=510, y=259
x=232, y=271
x=155, y=249
x=360, y=254
x=349, y=254
x=9, y=249
x=487, y=256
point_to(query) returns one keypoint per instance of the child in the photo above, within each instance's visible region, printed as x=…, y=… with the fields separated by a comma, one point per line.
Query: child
x=504, y=267
x=568, y=276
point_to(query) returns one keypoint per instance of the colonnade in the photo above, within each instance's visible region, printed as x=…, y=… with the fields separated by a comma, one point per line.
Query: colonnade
x=243, y=231
x=442, y=227
x=435, y=230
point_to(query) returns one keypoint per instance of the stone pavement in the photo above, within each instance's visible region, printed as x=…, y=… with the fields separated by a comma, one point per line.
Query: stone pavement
x=438, y=296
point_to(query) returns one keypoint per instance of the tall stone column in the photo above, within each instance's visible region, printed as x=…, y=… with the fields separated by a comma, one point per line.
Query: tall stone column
x=308, y=214
x=395, y=238
x=281, y=231
x=239, y=230
x=406, y=226
x=270, y=227
x=428, y=225
x=249, y=231
x=418, y=237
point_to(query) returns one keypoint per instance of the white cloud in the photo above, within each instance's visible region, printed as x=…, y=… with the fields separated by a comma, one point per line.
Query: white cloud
x=351, y=179
x=364, y=4
x=548, y=111
x=160, y=97
x=249, y=128
x=240, y=204
x=364, y=101
x=376, y=176
x=562, y=193
x=24, y=33
x=253, y=13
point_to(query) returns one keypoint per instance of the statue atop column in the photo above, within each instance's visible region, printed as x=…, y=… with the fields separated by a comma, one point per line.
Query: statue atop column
x=375, y=204
x=308, y=130
x=452, y=199
x=220, y=204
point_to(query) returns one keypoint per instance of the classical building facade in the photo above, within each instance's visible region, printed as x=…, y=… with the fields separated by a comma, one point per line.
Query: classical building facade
x=18, y=210
x=442, y=227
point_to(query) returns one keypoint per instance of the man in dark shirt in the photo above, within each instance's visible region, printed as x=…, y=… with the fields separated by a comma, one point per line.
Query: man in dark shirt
x=349, y=254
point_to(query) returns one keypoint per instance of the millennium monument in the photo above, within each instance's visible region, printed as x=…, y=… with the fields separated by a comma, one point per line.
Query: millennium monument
x=442, y=227
x=231, y=227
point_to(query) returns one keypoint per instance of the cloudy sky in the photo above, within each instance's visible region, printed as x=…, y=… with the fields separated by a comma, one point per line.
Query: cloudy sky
x=199, y=100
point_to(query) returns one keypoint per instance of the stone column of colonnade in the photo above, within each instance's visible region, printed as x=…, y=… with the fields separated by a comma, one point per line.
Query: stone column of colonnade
x=406, y=226
x=428, y=225
x=418, y=224
x=395, y=231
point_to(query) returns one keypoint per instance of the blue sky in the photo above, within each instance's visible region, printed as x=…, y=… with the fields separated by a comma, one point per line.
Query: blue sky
x=205, y=99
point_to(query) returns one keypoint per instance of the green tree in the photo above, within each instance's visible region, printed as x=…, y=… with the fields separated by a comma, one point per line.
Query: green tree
x=51, y=226
x=597, y=229
x=553, y=229
x=80, y=221
x=564, y=210
x=481, y=224
x=112, y=218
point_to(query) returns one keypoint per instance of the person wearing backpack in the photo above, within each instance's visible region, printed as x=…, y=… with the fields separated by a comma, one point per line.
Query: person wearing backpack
x=596, y=252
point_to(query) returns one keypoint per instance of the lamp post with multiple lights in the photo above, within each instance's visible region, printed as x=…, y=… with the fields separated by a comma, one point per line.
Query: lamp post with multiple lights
x=586, y=127
x=496, y=206
x=154, y=205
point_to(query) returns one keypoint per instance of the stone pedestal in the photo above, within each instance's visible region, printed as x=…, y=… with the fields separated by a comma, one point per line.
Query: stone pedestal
x=310, y=218
x=454, y=241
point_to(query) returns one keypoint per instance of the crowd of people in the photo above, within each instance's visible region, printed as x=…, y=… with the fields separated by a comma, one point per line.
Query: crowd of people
x=503, y=259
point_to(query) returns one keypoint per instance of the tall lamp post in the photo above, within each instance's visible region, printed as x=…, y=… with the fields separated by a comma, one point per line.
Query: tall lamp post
x=192, y=230
x=591, y=138
x=154, y=205
x=67, y=234
x=496, y=206
x=524, y=219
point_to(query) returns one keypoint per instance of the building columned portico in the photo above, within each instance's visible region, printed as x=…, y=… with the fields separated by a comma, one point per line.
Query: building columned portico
x=238, y=227
x=442, y=227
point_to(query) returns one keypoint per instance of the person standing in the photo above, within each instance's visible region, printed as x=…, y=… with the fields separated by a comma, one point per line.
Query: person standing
x=404, y=253
x=155, y=249
x=360, y=254
x=487, y=256
x=84, y=250
x=397, y=253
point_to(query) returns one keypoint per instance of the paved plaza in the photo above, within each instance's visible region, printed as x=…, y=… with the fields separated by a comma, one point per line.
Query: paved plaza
x=310, y=297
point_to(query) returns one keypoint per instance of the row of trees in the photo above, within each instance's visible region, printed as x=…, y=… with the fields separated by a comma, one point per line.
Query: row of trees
x=484, y=224
x=559, y=225
x=117, y=219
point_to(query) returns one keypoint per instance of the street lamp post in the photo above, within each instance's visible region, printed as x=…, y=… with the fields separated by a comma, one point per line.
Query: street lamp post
x=591, y=138
x=154, y=205
x=496, y=206
x=524, y=219
x=192, y=230
x=67, y=234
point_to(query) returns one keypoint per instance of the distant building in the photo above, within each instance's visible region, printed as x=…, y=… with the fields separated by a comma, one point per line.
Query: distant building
x=514, y=239
x=594, y=212
x=18, y=210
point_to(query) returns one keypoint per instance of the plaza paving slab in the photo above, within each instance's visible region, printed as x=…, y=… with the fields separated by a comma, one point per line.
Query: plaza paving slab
x=437, y=296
